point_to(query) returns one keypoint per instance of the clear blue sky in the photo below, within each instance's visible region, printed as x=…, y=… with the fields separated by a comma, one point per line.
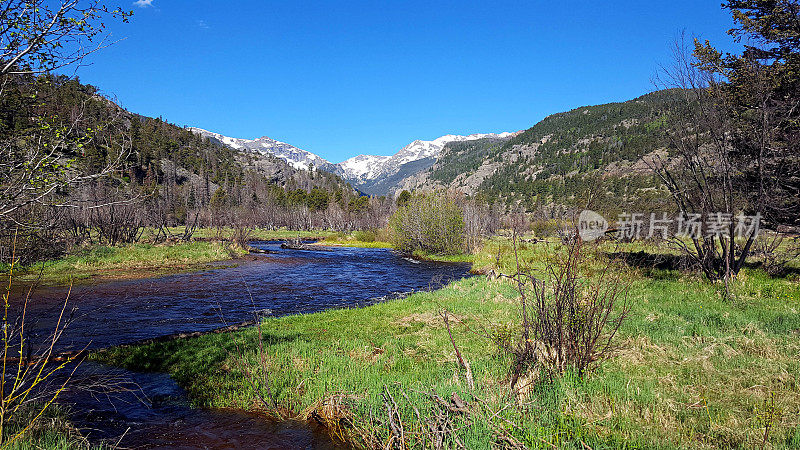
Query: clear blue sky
x=340, y=78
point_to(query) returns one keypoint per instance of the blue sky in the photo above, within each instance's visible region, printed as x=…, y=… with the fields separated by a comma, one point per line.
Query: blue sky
x=340, y=78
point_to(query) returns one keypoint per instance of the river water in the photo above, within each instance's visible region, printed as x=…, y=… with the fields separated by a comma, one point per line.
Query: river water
x=151, y=410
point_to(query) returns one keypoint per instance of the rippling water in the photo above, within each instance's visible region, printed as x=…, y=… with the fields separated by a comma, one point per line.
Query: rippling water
x=287, y=282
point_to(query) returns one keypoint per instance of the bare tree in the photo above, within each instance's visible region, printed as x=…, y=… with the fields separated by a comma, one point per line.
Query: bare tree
x=38, y=36
x=735, y=134
x=701, y=172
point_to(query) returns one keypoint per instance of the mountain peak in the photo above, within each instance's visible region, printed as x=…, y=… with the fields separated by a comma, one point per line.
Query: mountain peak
x=359, y=170
x=297, y=158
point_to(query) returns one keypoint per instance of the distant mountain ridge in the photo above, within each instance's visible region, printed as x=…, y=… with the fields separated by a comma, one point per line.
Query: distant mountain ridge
x=372, y=174
x=593, y=153
x=297, y=158
x=378, y=175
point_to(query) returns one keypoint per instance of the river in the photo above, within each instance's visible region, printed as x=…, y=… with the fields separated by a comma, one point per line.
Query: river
x=156, y=413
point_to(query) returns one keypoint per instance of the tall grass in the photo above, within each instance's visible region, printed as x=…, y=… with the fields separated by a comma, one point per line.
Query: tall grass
x=124, y=261
x=260, y=233
x=359, y=239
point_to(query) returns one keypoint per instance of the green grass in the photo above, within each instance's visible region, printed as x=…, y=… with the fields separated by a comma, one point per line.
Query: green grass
x=128, y=261
x=359, y=239
x=51, y=431
x=694, y=372
x=344, y=240
x=380, y=239
x=354, y=243
x=463, y=257
x=261, y=234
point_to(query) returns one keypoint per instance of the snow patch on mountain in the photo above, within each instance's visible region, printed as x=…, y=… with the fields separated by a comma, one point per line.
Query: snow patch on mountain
x=297, y=158
x=361, y=170
x=363, y=166
x=382, y=166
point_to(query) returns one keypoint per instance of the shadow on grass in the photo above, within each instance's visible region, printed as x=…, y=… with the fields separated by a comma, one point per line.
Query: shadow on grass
x=664, y=266
x=191, y=362
x=659, y=261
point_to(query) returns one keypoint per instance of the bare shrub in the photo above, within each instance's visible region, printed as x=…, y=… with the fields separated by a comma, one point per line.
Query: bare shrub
x=481, y=220
x=411, y=419
x=29, y=383
x=776, y=251
x=118, y=223
x=243, y=224
x=518, y=223
x=571, y=316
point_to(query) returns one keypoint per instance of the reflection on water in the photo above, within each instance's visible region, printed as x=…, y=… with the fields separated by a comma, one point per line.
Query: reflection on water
x=151, y=411
x=288, y=282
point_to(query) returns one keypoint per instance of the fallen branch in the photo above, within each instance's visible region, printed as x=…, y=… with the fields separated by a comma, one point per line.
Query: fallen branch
x=460, y=358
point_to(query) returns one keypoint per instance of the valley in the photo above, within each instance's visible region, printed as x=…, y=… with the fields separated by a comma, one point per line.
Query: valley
x=373, y=175
x=464, y=226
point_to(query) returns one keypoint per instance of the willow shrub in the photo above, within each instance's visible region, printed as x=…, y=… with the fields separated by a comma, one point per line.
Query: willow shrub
x=431, y=223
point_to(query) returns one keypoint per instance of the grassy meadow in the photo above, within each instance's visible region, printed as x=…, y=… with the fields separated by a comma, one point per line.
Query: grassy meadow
x=258, y=234
x=360, y=239
x=130, y=261
x=695, y=369
x=141, y=260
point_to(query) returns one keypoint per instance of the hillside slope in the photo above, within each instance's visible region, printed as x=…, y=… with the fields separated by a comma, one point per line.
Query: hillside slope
x=592, y=151
x=156, y=151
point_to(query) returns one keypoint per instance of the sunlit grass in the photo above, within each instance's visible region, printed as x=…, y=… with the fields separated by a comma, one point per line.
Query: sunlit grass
x=262, y=234
x=125, y=261
x=695, y=370
x=352, y=240
x=51, y=431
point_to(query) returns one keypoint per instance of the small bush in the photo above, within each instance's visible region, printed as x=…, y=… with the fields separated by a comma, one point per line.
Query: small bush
x=545, y=228
x=431, y=223
x=503, y=335
x=366, y=235
x=383, y=234
x=775, y=252
x=571, y=315
x=333, y=237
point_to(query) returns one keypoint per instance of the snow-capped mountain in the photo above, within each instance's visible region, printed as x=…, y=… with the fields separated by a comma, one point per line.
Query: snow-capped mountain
x=297, y=158
x=363, y=167
x=418, y=150
x=380, y=175
x=371, y=173
x=427, y=149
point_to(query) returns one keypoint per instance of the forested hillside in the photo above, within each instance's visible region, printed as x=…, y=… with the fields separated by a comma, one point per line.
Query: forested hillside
x=566, y=154
x=462, y=159
x=120, y=172
x=589, y=155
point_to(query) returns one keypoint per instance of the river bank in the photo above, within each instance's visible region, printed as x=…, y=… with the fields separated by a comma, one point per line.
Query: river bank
x=695, y=370
x=276, y=283
x=99, y=263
